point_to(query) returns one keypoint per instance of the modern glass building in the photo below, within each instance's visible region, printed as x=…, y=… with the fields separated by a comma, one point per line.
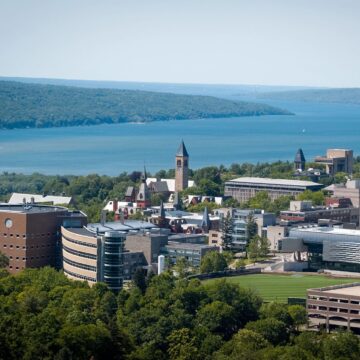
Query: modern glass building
x=330, y=248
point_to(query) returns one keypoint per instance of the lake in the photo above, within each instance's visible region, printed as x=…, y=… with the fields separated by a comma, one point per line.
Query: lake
x=112, y=149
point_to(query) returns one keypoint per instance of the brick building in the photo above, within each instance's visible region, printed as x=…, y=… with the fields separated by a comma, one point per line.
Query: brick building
x=30, y=234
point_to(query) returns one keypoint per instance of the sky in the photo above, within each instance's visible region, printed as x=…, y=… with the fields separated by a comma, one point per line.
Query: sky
x=264, y=42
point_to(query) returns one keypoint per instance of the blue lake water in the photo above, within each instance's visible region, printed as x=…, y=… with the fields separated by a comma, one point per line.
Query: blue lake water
x=111, y=149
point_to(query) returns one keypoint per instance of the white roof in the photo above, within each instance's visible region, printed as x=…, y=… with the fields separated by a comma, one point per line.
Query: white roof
x=329, y=230
x=18, y=198
x=268, y=181
x=170, y=183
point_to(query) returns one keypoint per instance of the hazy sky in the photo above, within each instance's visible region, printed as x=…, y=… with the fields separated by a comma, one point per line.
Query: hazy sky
x=287, y=42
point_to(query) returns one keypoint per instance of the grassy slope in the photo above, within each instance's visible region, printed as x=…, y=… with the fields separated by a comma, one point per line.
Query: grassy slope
x=280, y=287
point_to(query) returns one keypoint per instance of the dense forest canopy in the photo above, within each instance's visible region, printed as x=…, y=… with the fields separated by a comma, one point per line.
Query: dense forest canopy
x=44, y=315
x=37, y=105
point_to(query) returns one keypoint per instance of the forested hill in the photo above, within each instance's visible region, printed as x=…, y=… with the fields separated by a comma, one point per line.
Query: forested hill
x=37, y=105
x=344, y=96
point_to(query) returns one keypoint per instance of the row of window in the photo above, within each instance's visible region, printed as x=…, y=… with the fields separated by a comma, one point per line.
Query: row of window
x=79, y=242
x=79, y=276
x=28, y=235
x=343, y=301
x=79, y=253
x=335, y=310
x=79, y=265
x=17, y=267
x=29, y=258
x=28, y=247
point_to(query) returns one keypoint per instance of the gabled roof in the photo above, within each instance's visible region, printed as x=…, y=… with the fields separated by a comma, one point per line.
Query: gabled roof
x=129, y=191
x=159, y=186
x=182, y=150
x=299, y=157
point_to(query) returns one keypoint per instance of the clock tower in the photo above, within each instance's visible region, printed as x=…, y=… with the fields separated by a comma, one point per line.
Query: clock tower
x=181, y=168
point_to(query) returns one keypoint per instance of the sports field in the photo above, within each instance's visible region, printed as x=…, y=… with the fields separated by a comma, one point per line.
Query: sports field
x=280, y=287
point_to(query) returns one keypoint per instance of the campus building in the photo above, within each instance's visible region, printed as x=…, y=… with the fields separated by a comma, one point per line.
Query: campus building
x=97, y=252
x=305, y=212
x=337, y=160
x=240, y=218
x=244, y=188
x=30, y=234
x=111, y=252
x=327, y=247
x=192, y=253
x=350, y=190
x=334, y=307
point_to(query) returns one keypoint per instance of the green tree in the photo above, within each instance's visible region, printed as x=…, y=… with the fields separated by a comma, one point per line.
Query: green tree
x=218, y=317
x=253, y=248
x=139, y=280
x=340, y=178
x=272, y=330
x=341, y=346
x=182, y=267
x=213, y=261
x=298, y=315
x=4, y=261
x=227, y=231
x=264, y=246
x=251, y=226
x=317, y=197
x=182, y=345
x=276, y=310
x=310, y=342
x=243, y=345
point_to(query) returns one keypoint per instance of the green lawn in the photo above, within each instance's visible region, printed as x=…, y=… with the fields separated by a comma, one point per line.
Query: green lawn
x=280, y=287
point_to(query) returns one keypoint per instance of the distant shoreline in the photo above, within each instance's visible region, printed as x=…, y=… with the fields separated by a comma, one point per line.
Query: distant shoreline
x=25, y=105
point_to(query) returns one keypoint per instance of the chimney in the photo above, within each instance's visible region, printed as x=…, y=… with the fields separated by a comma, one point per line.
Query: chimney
x=103, y=217
x=115, y=205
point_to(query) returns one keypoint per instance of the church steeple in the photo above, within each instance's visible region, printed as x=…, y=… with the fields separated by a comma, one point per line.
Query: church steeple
x=181, y=168
x=205, y=223
x=143, y=195
x=299, y=161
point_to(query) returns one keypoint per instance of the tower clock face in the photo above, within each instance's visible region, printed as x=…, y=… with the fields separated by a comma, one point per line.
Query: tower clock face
x=8, y=223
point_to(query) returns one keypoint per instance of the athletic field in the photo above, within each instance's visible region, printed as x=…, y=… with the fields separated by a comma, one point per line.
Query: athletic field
x=280, y=287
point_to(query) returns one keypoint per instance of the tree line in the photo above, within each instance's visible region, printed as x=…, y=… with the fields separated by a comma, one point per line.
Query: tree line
x=92, y=191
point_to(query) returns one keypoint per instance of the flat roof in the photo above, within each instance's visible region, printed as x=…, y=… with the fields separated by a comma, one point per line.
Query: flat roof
x=17, y=198
x=328, y=230
x=128, y=225
x=354, y=290
x=180, y=245
x=30, y=208
x=268, y=181
x=82, y=231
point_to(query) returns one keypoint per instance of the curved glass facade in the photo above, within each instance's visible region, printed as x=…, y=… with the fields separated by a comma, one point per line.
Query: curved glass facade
x=112, y=259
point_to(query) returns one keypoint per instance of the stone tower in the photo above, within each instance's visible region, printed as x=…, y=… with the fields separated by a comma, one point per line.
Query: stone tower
x=181, y=168
x=299, y=161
